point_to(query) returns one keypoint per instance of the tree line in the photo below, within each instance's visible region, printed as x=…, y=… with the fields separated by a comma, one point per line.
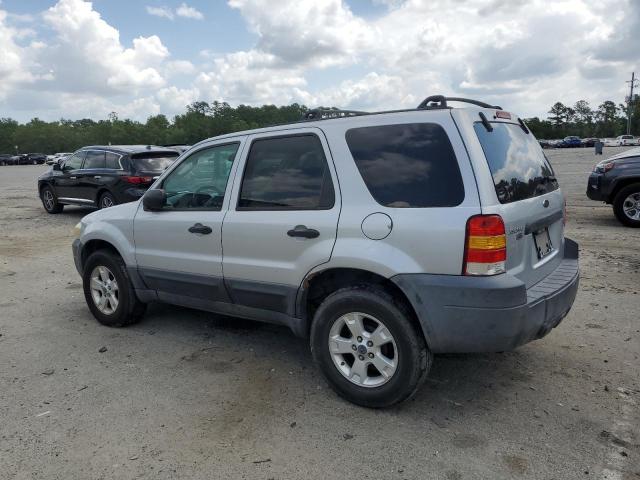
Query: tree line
x=202, y=120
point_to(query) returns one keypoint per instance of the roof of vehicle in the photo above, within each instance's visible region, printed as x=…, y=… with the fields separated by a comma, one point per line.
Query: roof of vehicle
x=632, y=152
x=316, y=117
x=130, y=149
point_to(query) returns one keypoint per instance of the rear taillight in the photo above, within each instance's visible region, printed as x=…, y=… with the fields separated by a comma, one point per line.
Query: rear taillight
x=485, y=251
x=137, y=180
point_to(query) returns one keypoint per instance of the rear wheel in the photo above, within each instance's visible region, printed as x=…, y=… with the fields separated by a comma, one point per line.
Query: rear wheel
x=106, y=200
x=626, y=205
x=369, y=350
x=49, y=201
x=108, y=290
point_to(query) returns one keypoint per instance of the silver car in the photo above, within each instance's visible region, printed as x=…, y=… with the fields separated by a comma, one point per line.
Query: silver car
x=383, y=238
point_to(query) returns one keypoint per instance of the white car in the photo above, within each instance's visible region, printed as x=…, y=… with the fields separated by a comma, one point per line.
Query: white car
x=56, y=157
x=626, y=140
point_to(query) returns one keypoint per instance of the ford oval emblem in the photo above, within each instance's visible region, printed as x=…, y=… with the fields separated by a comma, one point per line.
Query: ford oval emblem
x=545, y=204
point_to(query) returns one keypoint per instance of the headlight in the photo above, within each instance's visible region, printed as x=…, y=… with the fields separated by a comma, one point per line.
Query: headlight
x=604, y=167
x=77, y=229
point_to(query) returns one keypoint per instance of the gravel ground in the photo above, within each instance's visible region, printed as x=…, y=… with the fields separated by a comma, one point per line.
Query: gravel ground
x=186, y=394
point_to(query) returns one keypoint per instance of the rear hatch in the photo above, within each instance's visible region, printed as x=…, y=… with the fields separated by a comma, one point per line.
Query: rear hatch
x=153, y=163
x=526, y=195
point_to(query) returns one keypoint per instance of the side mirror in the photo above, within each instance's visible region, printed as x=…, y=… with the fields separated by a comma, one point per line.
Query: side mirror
x=57, y=167
x=154, y=200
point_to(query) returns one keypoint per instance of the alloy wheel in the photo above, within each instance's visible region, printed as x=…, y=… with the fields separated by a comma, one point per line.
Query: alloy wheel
x=631, y=206
x=363, y=350
x=104, y=290
x=48, y=199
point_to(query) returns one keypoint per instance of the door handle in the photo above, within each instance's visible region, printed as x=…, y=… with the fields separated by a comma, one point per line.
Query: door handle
x=72, y=178
x=199, y=228
x=303, y=232
x=97, y=176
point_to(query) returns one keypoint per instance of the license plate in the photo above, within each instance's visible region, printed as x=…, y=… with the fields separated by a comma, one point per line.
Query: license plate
x=543, y=244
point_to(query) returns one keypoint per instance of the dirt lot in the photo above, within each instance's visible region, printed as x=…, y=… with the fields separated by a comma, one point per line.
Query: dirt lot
x=186, y=394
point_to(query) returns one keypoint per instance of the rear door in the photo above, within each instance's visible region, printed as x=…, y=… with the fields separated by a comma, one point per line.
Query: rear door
x=519, y=184
x=282, y=218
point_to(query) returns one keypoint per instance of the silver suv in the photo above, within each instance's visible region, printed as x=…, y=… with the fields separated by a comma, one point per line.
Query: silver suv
x=384, y=238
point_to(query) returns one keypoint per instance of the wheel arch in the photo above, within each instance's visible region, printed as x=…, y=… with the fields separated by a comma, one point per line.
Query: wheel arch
x=620, y=184
x=93, y=246
x=320, y=284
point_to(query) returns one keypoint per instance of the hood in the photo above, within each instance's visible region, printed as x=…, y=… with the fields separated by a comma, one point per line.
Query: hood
x=632, y=152
x=124, y=211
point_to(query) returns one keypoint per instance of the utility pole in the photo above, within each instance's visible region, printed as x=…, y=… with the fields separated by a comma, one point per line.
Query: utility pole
x=633, y=83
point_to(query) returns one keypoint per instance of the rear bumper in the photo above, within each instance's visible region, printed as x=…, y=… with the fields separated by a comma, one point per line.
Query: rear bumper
x=461, y=314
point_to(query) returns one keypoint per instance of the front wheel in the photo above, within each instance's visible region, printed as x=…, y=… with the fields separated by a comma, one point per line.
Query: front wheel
x=108, y=291
x=49, y=201
x=369, y=350
x=626, y=205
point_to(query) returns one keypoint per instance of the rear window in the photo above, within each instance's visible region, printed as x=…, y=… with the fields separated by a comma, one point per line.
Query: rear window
x=519, y=168
x=407, y=166
x=153, y=161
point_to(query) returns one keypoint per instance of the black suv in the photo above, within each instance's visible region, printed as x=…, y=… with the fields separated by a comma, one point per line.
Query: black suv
x=616, y=181
x=102, y=176
x=32, y=159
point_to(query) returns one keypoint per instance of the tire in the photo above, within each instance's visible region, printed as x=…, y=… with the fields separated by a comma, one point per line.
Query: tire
x=627, y=215
x=106, y=200
x=411, y=355
x=49, y=201
x=127, y=309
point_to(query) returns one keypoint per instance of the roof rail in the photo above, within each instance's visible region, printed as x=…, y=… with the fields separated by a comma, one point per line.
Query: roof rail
x=440, y=101
x=326, y=113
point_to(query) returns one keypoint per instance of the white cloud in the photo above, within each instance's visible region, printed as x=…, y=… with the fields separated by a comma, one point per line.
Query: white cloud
x=186, y=11
x=163, y=12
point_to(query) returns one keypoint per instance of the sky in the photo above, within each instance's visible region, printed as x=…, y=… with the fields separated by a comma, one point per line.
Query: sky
x=79, y=59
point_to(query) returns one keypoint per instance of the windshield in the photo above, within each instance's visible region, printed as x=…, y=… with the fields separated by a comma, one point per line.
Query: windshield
x=519, y=168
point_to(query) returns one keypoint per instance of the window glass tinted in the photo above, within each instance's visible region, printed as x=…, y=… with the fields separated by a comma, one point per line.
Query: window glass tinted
x=153, y=162
x=94, y=159
x=200, y=181
x=74, y=161
x=409, y=165
x=286, y=173
x=519, y=168
x=112, y=160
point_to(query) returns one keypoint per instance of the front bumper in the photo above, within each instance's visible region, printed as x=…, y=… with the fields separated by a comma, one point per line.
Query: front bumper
x=594, y=187
x=460, y=314
x=77, y=254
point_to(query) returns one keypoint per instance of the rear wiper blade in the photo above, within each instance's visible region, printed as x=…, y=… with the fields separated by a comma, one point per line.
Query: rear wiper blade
x=485, y=122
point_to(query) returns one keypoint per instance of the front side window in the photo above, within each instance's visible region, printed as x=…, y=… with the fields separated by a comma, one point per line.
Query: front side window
x=94, y=159
x=286, y=173
x=200, y=181
x=410, y=165
x=74, y=162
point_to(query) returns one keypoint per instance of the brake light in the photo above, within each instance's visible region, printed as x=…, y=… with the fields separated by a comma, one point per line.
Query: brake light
x=137, y=180
x=485, y=251
x=503, y=114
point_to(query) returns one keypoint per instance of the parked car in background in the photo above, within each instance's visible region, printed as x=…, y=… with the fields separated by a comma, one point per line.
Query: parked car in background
x=625, y=140
x=616, y=181
x=545, y=143
x=589, y=142
x=319, y=222
x=56, y=158
x=32, y=159
x=7, y=159
x=179, y=147
x=102, y=176
x=569, y=142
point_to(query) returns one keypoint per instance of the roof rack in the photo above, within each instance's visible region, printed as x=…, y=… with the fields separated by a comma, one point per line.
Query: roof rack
x=326, y=113
x=440, y=101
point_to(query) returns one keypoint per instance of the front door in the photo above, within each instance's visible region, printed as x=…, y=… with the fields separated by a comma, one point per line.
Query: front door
x=66, y=183
x=282, y=218
x=179, y=249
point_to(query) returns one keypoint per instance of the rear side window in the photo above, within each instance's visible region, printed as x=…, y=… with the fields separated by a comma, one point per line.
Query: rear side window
x=407, y=166
x=286, y=173
x=519, y=168
x=112, y=160
x=153, y=161
x=94, y=159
